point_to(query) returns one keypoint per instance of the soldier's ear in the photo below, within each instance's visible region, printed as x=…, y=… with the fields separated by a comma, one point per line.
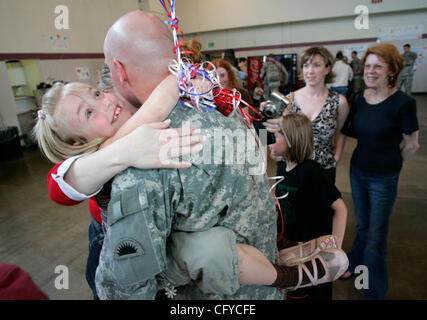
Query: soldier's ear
x=121, y=71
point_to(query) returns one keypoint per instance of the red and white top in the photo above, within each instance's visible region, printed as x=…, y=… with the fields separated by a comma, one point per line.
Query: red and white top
x=64, y=194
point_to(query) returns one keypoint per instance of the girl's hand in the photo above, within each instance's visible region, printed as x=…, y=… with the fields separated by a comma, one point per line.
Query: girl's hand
x=154, y=146
x=272, y=125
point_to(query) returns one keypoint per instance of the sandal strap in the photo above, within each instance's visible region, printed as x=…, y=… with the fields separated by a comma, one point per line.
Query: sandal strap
x=315, y=246
x=314, y=278
x=311, y=277
x=304, y=259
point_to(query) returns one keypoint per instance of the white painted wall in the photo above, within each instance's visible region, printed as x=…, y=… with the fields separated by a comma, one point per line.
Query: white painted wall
x=66, y=69
x=248, y=41
x=26, y=25
x=208, y=15
x=308, y=31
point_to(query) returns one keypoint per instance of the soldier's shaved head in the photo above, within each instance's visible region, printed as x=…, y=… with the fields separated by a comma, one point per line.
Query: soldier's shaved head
x=138, y=48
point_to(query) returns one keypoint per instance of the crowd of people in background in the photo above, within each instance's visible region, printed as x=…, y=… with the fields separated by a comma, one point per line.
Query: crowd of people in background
x=348, y=77
x=359, y=99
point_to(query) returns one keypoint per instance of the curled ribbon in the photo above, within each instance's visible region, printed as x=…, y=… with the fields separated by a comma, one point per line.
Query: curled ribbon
x=225, y=100
x=279, y=180
x=174, y=21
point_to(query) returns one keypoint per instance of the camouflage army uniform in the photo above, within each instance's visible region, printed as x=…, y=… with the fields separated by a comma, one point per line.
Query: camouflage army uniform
x=273, y=75
x=406, y=76
x=135, y=260
x=356, y=84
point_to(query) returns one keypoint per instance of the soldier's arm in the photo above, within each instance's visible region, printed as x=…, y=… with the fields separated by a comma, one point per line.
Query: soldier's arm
x=143, y=148
x=157, y=107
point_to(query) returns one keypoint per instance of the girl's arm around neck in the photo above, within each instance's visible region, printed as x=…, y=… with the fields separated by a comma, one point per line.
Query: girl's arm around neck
x=148, y=146
x=157, y=107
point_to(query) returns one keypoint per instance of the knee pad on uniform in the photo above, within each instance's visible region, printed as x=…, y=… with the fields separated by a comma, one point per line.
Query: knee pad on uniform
x=210, y=258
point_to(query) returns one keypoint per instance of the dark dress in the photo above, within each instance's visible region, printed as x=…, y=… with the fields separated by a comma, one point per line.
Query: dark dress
x=307, y=212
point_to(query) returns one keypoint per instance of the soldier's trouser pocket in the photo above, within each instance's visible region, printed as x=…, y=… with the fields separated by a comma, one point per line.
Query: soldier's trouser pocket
x=133, y=254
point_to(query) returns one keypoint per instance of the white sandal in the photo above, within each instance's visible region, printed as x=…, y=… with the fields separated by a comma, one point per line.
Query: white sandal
x=333, y=260
x=305, y=251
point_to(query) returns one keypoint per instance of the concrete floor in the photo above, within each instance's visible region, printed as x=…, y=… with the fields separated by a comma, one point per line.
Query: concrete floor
x=38, y=235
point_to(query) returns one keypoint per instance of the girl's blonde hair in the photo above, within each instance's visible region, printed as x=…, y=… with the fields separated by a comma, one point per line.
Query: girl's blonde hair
x=49, y=131
x=300, y=134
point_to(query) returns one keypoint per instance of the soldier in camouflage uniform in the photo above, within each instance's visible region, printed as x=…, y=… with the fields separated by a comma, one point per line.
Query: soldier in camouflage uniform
x=168, y=227
x=274, y=75
x=356, y=84
x=147, y=205
x=406, y=76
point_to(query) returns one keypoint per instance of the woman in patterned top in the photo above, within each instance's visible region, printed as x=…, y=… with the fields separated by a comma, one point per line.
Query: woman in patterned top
x=326, y=109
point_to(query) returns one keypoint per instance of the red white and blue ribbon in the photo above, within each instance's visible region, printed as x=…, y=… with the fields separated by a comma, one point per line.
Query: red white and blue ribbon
x=225, y=100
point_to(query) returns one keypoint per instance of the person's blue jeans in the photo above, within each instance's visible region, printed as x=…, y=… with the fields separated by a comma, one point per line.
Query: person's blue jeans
x=374, y=196
x=96, y=237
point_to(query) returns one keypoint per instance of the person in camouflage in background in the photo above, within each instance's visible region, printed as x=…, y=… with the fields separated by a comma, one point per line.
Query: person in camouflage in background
x=274, y=75
x=356, y=84
x=406, y=76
